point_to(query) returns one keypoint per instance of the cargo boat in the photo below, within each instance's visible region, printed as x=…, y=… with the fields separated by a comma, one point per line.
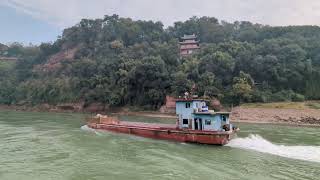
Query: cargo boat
x=194, y=124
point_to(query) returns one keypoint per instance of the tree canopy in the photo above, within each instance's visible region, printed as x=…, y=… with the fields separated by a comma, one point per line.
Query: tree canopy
x=119, y=61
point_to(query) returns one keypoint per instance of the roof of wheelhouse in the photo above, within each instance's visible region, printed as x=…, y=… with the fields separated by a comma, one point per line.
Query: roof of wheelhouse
x=211, y=113
x=190, y=100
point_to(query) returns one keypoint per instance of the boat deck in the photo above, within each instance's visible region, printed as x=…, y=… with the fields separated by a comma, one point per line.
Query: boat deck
x=165, y=131
x=147, y=125
x=159, y=127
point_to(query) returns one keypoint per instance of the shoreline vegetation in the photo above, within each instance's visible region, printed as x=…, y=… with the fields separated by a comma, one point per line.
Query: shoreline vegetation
x=135, y=65
x=282, y=113
x=119, y=62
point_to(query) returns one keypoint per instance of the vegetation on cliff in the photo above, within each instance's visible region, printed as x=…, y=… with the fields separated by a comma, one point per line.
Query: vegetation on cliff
x=119, y=61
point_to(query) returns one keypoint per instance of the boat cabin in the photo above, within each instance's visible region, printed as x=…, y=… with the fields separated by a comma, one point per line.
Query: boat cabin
x=194, y=114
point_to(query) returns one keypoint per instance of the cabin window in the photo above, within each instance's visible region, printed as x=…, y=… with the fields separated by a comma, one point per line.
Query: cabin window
x=187, y=105
x=185, y=121
x=207, y=122
x=224, y=118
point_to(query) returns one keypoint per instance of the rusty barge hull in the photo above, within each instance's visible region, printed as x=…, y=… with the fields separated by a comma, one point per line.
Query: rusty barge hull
x=167, y=132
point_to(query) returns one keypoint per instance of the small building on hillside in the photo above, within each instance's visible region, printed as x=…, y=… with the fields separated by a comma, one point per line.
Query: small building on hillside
x=8, y=58
x=188, y=45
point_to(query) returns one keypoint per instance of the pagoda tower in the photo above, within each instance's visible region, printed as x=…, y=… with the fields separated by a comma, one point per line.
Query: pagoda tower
x=188, y=45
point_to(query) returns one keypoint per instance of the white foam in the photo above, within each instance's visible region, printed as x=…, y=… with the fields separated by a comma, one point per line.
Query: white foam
x=257, y=143
x=87, y=128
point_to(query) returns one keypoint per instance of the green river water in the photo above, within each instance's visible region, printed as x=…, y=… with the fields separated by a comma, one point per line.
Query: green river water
x=57, y=146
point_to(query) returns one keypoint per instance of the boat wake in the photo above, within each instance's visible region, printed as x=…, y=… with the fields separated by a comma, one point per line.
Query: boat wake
x=87, y=128
x=257, y=143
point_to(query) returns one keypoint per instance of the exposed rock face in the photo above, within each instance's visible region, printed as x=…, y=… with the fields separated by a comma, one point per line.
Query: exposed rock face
x=301, y=120
x=294, y=116
x=215, y=104
x=164, y=109
x=170, y=102
x=77, y=107
x=170, y=106
x=95, y=107
x=54, y=62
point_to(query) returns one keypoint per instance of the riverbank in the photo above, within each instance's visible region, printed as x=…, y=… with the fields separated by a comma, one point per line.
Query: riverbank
x=292, y=117
x=283, y=113
x=297, y=114
x=293, y=113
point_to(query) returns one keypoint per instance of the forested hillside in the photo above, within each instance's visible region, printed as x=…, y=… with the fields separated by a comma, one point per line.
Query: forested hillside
x=118, y=61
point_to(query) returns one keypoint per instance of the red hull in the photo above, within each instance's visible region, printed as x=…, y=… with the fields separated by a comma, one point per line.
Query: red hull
x=166, y=132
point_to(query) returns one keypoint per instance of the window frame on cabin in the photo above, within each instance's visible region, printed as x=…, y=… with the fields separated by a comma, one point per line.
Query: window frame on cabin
x=223, y=118
x=185, y=120
x=207, y=122
x=188, y=105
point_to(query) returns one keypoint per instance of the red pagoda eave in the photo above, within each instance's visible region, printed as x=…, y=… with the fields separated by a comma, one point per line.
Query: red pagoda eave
x=195, y=42
x=186, y=48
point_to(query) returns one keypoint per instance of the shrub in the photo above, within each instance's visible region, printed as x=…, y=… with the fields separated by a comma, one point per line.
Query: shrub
x=297, y=97
x=281, y=96
x=261, y=96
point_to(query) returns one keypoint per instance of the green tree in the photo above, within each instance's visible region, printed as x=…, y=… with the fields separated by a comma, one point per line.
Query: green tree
x=242, y=87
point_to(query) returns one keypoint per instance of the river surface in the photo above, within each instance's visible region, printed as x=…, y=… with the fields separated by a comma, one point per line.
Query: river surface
x=57, y=146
